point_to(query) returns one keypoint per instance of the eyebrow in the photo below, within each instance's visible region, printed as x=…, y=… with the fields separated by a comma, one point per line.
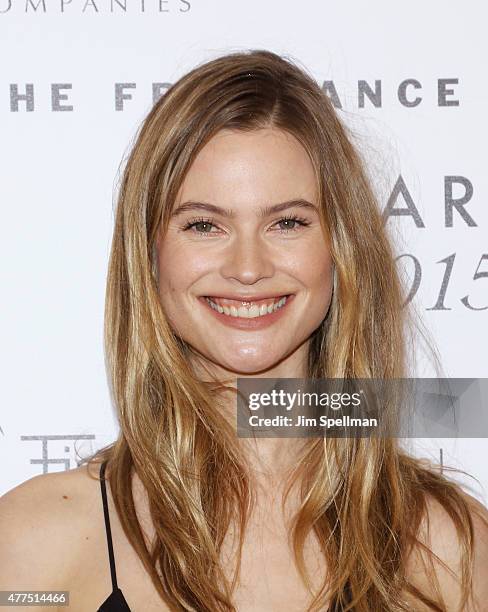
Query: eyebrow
x=227, y=212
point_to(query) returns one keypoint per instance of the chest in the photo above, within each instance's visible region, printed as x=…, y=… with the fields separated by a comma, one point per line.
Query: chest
x=269, y=580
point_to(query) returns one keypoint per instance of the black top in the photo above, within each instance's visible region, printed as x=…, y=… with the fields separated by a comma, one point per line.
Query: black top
x=115, y=602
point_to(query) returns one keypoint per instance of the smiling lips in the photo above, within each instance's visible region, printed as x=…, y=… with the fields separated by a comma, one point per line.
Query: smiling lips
x=247, y=309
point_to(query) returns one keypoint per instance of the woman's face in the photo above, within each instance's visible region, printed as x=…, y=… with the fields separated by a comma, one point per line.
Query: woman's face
x=224, y=246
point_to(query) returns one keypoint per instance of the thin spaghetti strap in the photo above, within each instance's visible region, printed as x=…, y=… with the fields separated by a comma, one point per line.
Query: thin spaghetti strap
x=107, y=527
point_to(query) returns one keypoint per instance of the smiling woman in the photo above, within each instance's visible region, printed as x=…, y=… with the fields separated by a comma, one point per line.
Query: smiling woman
x=247, y=266
x=248, y=243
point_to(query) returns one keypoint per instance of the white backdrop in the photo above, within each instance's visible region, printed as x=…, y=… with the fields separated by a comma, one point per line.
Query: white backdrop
x=421, y=123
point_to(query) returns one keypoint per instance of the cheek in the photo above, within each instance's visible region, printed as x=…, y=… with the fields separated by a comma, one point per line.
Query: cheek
x=179, y=251
x=171, y=289
x=180, y=267
x=313, y=265
x=319, y=278
x=169, y=279
x=321, y=285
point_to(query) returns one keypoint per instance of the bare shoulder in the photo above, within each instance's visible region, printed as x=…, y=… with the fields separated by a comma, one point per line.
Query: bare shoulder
x=438, y=532
x=44, y=522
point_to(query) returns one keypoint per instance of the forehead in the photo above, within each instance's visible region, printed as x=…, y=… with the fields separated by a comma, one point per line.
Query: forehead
x=261, y=166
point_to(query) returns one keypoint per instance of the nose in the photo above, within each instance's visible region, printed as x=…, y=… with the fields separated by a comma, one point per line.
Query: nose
x=247, y=259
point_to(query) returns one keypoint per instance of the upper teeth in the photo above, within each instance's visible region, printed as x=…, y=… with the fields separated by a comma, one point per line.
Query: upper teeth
x=248, y=313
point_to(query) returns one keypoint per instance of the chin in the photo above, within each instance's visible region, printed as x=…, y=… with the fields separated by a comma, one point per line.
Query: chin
x=250, y=366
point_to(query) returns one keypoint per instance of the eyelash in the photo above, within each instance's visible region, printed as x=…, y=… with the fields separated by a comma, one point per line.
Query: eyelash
x=302, y=222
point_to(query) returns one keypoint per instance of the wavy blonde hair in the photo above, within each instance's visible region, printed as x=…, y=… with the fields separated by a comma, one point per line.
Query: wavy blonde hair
x=363, y=498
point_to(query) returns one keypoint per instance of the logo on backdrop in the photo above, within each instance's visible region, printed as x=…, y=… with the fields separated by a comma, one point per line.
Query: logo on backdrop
x=49, y=455
x=94, y=7
x=23, y=97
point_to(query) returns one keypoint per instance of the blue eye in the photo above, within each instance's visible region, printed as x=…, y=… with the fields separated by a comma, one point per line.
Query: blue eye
x=203, y=226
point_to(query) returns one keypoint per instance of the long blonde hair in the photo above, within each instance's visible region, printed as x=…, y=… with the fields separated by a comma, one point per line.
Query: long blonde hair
x=363, y=498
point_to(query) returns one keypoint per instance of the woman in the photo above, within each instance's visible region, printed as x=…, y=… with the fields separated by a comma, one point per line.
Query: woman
x=247, y=243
